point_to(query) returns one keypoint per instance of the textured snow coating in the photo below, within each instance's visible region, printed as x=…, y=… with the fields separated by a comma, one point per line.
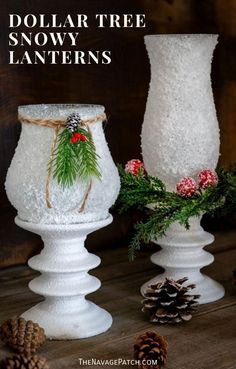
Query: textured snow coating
x=27, y=175
x=180, y=134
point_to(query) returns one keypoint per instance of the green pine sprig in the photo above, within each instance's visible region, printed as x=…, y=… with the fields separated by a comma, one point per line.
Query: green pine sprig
x=87, y=157
x=169, y=207
x=74, y=160
x=227, y=185
x=137, y=191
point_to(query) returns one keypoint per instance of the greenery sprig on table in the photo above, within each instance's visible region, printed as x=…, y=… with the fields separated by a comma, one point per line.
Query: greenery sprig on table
x=139, y=190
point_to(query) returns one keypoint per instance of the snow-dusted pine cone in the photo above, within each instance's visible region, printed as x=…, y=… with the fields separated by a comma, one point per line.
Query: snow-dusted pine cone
x=21, y=335
x=73, y=122
x=151, y=350
x=24, y=362
x=169, y=301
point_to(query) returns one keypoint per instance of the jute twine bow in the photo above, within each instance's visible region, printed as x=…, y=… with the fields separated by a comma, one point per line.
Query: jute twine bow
x=57, y=124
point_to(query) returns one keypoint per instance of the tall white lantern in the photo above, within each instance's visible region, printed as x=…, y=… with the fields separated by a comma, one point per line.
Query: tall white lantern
x=180, y=137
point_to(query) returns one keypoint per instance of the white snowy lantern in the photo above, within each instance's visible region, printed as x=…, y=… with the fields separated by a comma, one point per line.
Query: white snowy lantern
x=63, y=217
x=27, y=176
x=180, y=137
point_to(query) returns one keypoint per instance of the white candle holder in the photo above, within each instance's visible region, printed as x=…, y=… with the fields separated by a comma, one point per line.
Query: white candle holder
x=64, y=281
x=180, y=137
x=74, y=212
x=183, y=255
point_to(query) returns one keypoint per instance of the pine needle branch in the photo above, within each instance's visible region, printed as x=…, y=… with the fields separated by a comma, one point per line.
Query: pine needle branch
x=168, y=207
x=87, y=157
x=74, y=160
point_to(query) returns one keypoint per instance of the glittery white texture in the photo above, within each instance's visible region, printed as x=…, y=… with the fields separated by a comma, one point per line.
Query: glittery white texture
x=180, y=134
x=64, y=263
x=182, y=255
x=27, y=175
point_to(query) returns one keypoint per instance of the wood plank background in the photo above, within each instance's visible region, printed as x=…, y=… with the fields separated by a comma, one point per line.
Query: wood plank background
x=206, y=342
x=121, y=86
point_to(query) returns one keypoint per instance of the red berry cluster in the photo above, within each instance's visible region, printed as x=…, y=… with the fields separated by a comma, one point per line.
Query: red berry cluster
x=207, y=178
x=77, y=136
x=187, y=186
x=134, y=166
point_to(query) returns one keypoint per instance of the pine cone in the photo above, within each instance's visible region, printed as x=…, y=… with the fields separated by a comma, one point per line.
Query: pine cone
x=151, y=351
x=24, y=362
x=169, y=301
x=21, y=335
x=73, y=121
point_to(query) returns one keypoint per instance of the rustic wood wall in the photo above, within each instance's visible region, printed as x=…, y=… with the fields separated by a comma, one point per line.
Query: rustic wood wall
x=121, y=86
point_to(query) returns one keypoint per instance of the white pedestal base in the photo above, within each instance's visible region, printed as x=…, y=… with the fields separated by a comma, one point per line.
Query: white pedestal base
x=82, y=323
x=64, y=263
x=182, y=255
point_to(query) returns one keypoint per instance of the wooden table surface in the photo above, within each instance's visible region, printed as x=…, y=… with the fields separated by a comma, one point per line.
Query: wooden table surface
x=208, y=341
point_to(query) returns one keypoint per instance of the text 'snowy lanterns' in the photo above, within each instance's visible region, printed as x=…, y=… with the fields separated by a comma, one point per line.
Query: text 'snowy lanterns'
x=180, y=137
x=63, y=217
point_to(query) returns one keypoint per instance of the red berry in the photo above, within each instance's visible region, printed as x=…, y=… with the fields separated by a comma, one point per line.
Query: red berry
x=74, y=139
x=134, y=166
x=83, y=138
x=186, y=187
x=77, y=135
x=207, y=177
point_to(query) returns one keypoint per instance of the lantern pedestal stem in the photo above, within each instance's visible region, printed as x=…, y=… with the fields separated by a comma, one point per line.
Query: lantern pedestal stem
x=64, y=281
x=182, y=255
